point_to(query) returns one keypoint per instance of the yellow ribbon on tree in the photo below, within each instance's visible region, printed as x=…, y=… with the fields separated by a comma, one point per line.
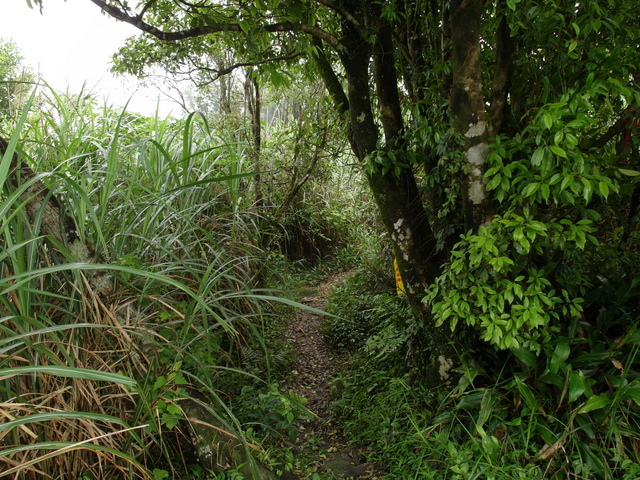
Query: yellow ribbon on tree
x=399, y=284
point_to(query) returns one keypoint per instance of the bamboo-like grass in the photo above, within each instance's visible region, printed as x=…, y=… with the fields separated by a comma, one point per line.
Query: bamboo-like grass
x=91, y=376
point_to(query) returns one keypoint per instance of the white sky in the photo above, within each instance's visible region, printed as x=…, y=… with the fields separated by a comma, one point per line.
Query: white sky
x=71, y=43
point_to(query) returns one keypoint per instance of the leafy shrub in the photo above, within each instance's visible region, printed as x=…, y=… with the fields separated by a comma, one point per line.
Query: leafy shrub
x=571, y=410
x=269, y=412
x=367, y=309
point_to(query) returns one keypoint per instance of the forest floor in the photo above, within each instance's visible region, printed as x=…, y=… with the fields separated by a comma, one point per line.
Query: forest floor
x=321, y=440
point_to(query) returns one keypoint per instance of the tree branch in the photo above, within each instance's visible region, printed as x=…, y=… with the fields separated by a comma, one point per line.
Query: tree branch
x=146, y=7
x=330, y=79
x=344, y=13
x=210, y=28
x=227, y=70
x=617, y=128
x=386, y=80
x=296, y=188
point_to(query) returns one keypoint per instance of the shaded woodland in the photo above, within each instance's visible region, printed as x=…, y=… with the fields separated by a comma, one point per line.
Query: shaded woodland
x=151, y=266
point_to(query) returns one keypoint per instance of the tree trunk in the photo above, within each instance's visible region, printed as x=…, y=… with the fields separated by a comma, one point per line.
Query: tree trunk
x=505, y=52
x=397, y=196
x=468, y=109
x=254, y=103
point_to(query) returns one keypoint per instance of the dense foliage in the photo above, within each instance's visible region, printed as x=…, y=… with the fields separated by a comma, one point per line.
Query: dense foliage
x=152, y=293
x=574, y=409
x=501, y=127
x=503, y=160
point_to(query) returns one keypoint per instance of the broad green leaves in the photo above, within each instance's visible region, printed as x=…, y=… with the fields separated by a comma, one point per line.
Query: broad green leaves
x=546, y=183
x=389, y=161
x=492, y=283
x=545, y=165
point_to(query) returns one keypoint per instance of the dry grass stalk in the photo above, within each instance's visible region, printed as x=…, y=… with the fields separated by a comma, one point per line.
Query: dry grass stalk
x=114, y=348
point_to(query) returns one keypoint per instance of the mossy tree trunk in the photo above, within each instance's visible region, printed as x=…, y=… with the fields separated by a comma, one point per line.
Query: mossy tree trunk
x=396, y=194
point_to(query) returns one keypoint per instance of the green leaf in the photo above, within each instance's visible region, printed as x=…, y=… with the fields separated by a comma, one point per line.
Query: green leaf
x=69, y=372
x=537, y=157
x=527, y=357
x=629, y=173
x=54, y=416
x=526, y=393
x=558, y=137
x=530, y=189
x=560, y=354
x=526, y=244
x=588, y=189
x=278, y=79
x=596, y=402
x=552, y=379
x=159, y=474
x=494, y=182
x=245, y=26
x=544, y=191
x=632, y=392
x=604, y=189
x=547, y=121
x=473, y=400
x=577, y=385
x=558, y=151
x=159, y=383
x=566, y=181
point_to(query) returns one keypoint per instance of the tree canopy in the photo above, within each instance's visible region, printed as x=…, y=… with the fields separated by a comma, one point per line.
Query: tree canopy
x=489, y=133
x=14, y=78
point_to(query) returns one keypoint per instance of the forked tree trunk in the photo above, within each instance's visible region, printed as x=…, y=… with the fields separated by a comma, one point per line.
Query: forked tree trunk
x=397, y=196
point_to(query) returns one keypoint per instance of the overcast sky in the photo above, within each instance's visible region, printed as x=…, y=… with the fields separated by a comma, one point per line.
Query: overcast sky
x=71, y=43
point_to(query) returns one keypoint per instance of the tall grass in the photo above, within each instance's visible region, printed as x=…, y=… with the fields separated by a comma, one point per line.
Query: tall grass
x=96, y=357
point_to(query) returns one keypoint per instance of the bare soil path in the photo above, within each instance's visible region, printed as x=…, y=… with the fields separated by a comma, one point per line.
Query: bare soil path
x=321, y=439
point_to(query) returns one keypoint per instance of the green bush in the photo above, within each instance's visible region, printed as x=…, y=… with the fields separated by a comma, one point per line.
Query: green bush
x=267, y=412
x=572, y=410
x=367, y=312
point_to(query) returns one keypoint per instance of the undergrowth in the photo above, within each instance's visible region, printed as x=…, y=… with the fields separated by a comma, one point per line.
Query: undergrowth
x=571, y=412
x=99, y=352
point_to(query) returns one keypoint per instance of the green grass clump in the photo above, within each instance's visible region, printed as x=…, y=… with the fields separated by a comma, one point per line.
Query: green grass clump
x=368, y=310
x=97, y=353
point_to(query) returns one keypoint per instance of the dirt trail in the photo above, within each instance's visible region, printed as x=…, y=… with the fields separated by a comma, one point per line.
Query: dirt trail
x=312, y=372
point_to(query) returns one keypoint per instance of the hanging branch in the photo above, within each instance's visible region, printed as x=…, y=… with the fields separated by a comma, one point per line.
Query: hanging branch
x=213, y=27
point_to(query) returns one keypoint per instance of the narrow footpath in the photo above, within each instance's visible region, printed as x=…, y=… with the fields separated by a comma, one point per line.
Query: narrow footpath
x=321, y=439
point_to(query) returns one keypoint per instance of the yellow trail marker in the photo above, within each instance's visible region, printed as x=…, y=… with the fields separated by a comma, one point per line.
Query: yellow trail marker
x=399, y=284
